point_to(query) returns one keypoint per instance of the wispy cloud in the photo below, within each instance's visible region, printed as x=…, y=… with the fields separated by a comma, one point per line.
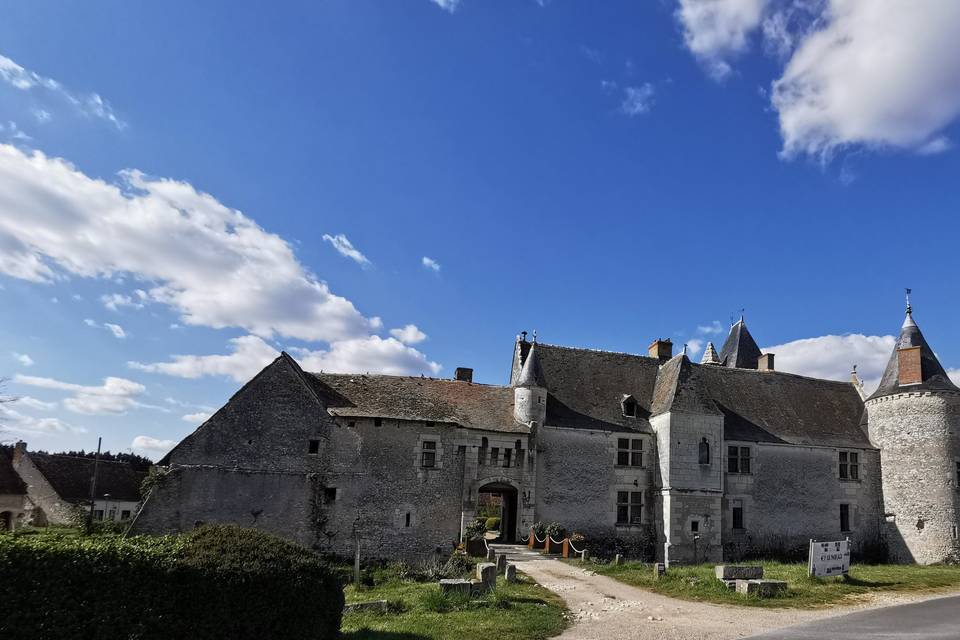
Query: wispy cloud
x=447, y=5
x=153, y=448
x=713, y=328
x=114, y=301
x=637, y=100
x=115, y=329
x=409, y=334
x=23, y=359
x=196, y=418
x=431, y=264
x=114, y=396
x=345, y=248
x=89, y=104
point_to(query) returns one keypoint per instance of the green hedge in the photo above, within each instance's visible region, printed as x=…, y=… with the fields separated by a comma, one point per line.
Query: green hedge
x=215, y=582
x=492, y=524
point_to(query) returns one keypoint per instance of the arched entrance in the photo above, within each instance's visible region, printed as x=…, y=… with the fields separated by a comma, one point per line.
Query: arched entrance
x=501, y=498
x=6, y=521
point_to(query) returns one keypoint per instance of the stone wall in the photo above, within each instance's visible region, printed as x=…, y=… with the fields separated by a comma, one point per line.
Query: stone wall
x=793, y=494
x=919, y=438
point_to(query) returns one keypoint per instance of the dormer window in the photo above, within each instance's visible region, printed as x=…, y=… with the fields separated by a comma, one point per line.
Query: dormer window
x=629, y=405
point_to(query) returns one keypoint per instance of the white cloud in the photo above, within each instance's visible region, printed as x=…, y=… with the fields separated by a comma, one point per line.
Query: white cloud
x=373, y=355
x=954, y=375
x=114, y=396
x=196, y=418
x=409, y=334
x=249, y=354
x=694, y=346
x=89, y=104
x=717, y=30
x=23, y=359
x=345, y=248
x=153, y=448
x=18, y=422
x=713, y=328
x=33, y=403
x=875, y=74
x=447, y=5
x=212, y=264
x=116, y=330
x=832, y=357
x=637, y=100
x=114, y=301
x=430, y=263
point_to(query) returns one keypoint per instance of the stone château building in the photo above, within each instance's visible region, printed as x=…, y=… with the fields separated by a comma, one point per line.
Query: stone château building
x=703, y=460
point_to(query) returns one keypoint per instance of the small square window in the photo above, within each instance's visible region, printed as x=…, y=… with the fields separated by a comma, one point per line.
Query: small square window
x=314, y=446
x=329, y=494
x=125, y=515
x=378, y=422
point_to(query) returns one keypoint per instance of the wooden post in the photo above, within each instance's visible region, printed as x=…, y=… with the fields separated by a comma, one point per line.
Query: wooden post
x=566, y=547
x=532, y=540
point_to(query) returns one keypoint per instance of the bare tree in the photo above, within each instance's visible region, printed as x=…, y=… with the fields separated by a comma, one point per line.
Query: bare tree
x=4, y=399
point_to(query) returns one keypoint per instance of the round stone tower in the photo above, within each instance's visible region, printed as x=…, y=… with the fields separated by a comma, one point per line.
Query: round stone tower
x=914, y=419
x=530, y=392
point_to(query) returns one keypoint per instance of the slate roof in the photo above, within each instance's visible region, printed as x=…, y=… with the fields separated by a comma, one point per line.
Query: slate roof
x=10, y=481
x=934, y=378
x=531, y=375
x=474, y=406
x=586, y=387
x=70, y=477
x=740, y=350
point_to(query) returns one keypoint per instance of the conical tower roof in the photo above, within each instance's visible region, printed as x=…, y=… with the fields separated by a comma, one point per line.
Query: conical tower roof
x=710, y=355
x=740, y=350
x=932, y=375
x=532, y=373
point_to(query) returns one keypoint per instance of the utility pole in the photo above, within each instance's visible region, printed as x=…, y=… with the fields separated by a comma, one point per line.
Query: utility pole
x=356, y=556
x=93, y=486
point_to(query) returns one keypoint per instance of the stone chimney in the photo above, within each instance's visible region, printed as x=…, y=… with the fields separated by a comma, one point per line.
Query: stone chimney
x=765, y=362
x=19, y=449
x=463, y=374
x=661, y=349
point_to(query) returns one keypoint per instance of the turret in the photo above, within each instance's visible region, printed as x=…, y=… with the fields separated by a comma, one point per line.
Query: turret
x=530, y=391
x=914, y=419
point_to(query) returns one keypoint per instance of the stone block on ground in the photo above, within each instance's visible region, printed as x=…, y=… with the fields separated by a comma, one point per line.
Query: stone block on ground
x=375, y=605
x=511, y=573
x=762, y=588
x=487, y=574
x=738, y=572
x=584, y=555
x=501, y=564
x=455, y=585
x=659, y=570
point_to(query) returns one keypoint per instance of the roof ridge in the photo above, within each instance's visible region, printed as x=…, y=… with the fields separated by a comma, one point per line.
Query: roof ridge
x=769, y=372
x=593, y=350
x=409, y=377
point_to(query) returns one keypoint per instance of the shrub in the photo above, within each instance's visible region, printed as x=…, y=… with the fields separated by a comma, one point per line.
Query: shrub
x=475, y=529
x=492, y=524
x=605, y=543
x=215, y=582
x=556, y=531
x=540, y=529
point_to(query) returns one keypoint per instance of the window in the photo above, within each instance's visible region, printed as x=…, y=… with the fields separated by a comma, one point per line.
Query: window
x=98, y=514
x=958, y=473
x=737, y=512
x=849, y=465
x=738, y=459
x=844, y=517
x=125, y=515
x=629, y=452
x=482, y=452
x=378, y=422
x=629, y=507
x=494, y=456
x=329, y=494
x=704, y=453
x=314, y=446
x=694, y=526
x=428, y=454
x=506, y=457
x=406, y=521
x=630, y=407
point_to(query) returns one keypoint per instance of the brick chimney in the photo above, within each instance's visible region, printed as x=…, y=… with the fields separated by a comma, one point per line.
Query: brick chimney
x=910, y=370
x=19, y=449
x=765, y=362
x=463, y=374
x=661, y=349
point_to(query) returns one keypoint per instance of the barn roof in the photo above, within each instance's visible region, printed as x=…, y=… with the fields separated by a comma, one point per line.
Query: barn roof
x=10, y=481
x=70, y=477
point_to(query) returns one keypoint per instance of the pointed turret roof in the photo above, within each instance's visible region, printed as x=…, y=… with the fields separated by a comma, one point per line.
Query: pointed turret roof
x=932, y=375
x=710, y=355
x=740, y=350
x=532, y=373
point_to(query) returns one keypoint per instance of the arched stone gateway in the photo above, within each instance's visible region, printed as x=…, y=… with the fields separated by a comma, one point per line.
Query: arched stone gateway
x=503, y=492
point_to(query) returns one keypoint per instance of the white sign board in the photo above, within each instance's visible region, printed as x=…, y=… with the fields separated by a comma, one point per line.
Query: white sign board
x=829, y=558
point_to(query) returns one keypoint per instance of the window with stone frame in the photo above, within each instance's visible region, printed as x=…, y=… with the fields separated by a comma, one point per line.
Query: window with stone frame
x=629, y=507
x=703, y=453
x=507, y=453
x=844, y=518
x=428, y=454
x=125, y=514
x=629, y=406
x=849, y=465
x=736, y=512
x=494, y=456
x=738, y=459
x=629, y=452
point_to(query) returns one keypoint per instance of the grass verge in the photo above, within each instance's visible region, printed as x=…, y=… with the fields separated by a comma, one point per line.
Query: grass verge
x=699, y=584
x=419, y=612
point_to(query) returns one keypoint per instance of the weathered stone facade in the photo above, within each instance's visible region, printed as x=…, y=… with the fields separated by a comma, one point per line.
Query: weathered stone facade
x=703, y=461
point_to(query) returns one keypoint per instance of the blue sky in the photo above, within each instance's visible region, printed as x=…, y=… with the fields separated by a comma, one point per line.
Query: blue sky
x=217, y=181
